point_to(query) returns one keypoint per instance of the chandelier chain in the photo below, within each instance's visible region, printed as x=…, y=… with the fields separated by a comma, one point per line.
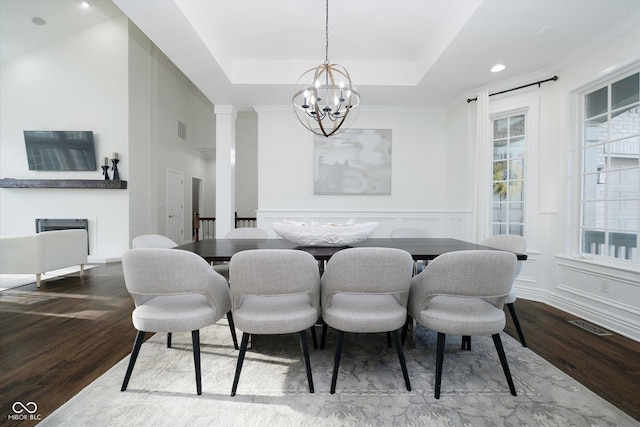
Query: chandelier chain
x=326, y=55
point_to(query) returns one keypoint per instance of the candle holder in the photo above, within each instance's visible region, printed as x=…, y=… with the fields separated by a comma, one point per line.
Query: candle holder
x=105, y=172
x=114, y=168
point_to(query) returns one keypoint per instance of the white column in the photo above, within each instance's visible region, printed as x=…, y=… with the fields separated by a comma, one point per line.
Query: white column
x=226, y=117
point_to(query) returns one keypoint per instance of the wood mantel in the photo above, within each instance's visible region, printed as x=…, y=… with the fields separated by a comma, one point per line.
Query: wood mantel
x=63, y=183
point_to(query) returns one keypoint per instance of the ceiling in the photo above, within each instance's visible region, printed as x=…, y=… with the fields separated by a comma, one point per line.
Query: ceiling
x=422, y=53
x=19, y=35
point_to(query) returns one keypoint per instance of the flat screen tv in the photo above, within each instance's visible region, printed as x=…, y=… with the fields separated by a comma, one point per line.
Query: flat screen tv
x=60, y=150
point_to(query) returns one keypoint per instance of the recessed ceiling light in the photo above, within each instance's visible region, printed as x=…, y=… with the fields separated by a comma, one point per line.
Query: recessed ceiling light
x=497, y=68
x=85, y=4
x=38, y=21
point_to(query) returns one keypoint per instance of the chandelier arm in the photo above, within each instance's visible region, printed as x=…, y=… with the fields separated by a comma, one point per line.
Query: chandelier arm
x=324, y=132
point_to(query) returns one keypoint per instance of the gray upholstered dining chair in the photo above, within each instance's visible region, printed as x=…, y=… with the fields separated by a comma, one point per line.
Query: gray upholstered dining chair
x=152, y=241
x=173, y=291
x=274, y=291
x=246, y=233
x=411, y=233
x=365, y=290
x=517, y=244
x=462, y=293
x=239, y=233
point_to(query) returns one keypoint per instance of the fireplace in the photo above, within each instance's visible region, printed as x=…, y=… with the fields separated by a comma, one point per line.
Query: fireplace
x=49, y=224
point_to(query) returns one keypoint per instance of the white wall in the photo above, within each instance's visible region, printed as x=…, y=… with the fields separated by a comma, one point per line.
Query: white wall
x=78, y=83
x=419, y=182
x=177, y=99
x=112, y=80
x=286, y=165
x=606, y=292
x=142, y=200
x=160, y=96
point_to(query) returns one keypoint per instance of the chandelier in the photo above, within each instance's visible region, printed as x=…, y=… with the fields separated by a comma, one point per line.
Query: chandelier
x=326, y=101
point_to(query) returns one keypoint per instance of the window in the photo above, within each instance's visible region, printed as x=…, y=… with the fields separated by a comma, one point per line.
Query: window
x=610, y=170
x=508, y=175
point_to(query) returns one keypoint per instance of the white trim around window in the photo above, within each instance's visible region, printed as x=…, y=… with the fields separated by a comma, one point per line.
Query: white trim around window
x=529, y=106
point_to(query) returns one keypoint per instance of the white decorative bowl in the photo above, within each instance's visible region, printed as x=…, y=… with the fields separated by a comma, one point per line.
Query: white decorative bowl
x=324, y=234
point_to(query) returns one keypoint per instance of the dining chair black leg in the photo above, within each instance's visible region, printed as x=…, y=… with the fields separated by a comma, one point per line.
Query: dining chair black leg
x=307, y=362
x=132, y=360
x=336, y=361
x=314, y=337
x=243, y=350
x=405, y=329
x=403, y=363
x=466, y=343
x=232, y=327
x=323, y=338
x=439, y=360
x=389, y=339
x=516, y=323
x=168, y=339
x=195, y=338
x=503, y=361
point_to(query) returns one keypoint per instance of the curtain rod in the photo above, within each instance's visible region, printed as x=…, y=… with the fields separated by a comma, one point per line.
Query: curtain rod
x=554, y=78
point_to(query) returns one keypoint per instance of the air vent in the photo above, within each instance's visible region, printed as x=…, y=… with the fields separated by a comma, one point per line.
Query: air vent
x=182, y=130
x=591, y=328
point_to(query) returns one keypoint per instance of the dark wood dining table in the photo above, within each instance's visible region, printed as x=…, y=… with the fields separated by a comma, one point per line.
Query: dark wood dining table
x=220, y=250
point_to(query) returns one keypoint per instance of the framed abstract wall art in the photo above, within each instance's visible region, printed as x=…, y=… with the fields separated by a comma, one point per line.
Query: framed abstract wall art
x=357, y=161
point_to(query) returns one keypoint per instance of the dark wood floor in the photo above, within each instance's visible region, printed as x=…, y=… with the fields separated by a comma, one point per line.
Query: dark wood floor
x=57, y=339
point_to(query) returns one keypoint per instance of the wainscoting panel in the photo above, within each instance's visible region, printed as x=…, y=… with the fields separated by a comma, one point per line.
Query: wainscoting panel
x=600, y=294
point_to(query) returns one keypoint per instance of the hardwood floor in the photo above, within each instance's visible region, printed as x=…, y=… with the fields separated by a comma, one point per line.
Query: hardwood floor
x=57, y=339
x=607, y=365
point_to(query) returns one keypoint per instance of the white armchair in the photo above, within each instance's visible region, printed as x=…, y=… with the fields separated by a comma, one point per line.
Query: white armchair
x=42, y=252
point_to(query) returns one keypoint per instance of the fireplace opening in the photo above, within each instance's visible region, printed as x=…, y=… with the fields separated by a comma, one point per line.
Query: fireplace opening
x=50, y=224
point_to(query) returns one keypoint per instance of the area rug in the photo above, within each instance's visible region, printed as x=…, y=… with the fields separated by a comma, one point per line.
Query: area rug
x=10, y=281
x=370, y=391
